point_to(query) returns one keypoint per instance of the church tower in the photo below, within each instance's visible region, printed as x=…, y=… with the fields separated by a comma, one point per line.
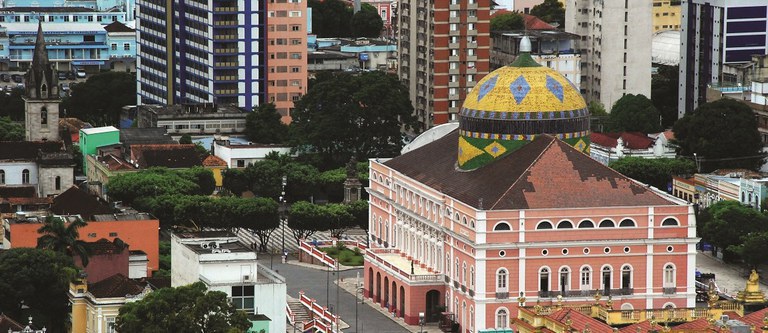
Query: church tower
x=41, y=100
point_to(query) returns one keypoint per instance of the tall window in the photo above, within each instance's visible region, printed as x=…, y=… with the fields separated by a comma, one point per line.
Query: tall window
x=43, y=114
x=669, y=276
x=472, y=276
x=606, y=280
x=565, y=276
x=242, y=298
x=501, y=280
x=464, y=273
x=58, y=183
x=502, y=318
x=544, y=279
x=25, y=176
x=2, y=176
x=586, y=278
x=626, y=277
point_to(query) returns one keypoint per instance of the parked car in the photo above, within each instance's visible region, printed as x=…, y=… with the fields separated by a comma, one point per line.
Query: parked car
x=5, y=77
x=64, y=87
x=8, y=89
x=16, y=78
x=62, y=75
x=80, y=74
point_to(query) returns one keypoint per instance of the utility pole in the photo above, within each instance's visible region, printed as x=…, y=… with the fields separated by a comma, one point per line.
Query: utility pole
x=283, y=216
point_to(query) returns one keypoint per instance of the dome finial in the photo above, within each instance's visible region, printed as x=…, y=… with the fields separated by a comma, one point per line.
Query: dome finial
x=525, y=44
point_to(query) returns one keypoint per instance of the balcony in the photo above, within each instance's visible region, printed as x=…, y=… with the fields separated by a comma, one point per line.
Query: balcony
x=586, y=292
x=669, y=290
x=399, y=265
x=502, y=294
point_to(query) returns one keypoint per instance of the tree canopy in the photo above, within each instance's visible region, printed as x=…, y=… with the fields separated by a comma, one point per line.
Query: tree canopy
x=188, y=308
x=729, y=223
x=507, y=21
x=366, y=22
x=64, y=238
x=12, y=105
x=331, y=18
x=263, y=125
x=634, y=113
x=10, y=131
x=99, y=99
x=128, y=187
x=550, y=11
x=722, y=134
x=353, y=115
x=655, y=172
x=664, y=92
x=38, y=279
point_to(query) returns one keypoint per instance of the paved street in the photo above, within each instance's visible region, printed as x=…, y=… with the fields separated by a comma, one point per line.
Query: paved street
x=313, y=282
x=729, y=278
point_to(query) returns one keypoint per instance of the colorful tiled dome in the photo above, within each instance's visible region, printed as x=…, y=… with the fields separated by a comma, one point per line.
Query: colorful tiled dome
x=511, y=105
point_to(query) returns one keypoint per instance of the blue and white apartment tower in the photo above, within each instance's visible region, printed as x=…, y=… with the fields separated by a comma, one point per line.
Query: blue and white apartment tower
x=201, y=51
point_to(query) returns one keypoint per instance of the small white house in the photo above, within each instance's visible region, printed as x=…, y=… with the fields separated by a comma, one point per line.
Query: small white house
x=609, y=147
x=238, y=155
x=225, y=264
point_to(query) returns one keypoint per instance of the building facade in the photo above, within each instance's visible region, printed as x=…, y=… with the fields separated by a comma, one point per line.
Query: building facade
x=442, y=50
x=717, y=36
x=551, y=48
x=615, y=47
x=666, y=15
x=610, y=147
x=213, y=52
x=287, y=63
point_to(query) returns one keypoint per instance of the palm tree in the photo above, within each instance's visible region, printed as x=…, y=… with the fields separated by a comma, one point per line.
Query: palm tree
x=63, y=238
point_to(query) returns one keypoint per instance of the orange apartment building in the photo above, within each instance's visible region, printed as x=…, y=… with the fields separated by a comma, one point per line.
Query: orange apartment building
x=507, y=204
x=444, y=49
x=287, y=49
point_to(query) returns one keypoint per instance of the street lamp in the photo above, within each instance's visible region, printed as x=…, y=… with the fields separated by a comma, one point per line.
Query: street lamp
x=283, y=219
x=421, y=322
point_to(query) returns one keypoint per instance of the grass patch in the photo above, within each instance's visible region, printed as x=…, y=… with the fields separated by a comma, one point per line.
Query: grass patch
x=344, y=255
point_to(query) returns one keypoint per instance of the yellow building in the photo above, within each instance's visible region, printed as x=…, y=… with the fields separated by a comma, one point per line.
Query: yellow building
x=666, y=15
x=217, y=166
x=95, y=306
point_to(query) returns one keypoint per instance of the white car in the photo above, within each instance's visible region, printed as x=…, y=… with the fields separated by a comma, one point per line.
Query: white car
x=80, y=74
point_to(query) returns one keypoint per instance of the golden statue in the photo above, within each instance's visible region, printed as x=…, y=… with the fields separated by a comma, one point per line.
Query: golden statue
x=752, y=293
x=753, y=284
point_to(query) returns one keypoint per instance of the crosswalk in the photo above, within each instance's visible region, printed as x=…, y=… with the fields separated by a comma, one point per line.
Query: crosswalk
x=275, y=244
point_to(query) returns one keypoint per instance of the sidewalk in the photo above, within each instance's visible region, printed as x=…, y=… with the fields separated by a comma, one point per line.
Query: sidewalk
x=349, y=285
x=729, y=277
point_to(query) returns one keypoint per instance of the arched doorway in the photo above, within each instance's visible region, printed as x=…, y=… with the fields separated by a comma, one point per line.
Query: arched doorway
x=433, y=301
x=394, y=298
x=386, y=292
x=370, y=282
x=378, y=287
x=402, y=301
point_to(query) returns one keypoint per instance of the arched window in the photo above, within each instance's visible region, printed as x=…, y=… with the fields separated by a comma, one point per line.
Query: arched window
x=586, y=224
x=626, y=277
x=626, y=223
x=447, y=264
x=565, y=224
x=544, y=225
x=456, y=272
x=43, y=115
x=565, y=279
x=669, y=276
x=606, y=279
x=669, y=222
x=464, y=273
x=586, y=278
x=2, y=176
x=606, y=224
x=544, y=279
x=44, y=91
x=58, y=183
x=471, y=276
x=25, y=176
x=502, y=318
x=501, y=280
x=502, y=226
x=471, y=318
x=464, y=220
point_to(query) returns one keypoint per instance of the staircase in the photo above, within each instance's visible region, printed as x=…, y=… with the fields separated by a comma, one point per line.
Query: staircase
x=300, y=313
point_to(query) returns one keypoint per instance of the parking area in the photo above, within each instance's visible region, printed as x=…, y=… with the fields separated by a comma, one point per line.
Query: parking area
x=10, y=80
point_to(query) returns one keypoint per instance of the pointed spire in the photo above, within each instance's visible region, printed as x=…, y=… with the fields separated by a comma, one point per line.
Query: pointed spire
x=40, y=57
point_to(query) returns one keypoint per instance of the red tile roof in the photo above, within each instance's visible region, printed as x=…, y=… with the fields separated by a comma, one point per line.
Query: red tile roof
x=580, y=321
x=643, y=326
x=117, y=285
x=700, y=325
x=546, y=173
x=754, y=318
x=531, y=22
x=213, y=160
x=76, y=201
x=632, y=140
x=115, y=163
x=166, y=155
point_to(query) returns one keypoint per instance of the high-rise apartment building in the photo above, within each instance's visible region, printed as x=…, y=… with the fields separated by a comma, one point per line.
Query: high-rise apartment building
x=666, y=15
x=287, y=48
x=717, y=37
x=201, y=51
x=444, y=50
x=615, y=47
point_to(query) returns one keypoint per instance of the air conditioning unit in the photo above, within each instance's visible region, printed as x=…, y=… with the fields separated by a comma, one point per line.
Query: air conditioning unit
x=213, y=245
x=247, y=277
x=205, y=245
x=215, y=251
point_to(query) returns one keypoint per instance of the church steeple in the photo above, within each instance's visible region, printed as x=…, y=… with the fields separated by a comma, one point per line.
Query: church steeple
x=41, y=81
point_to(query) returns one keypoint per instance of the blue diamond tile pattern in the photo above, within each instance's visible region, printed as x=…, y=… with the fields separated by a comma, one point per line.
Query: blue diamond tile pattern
x=555, y=88
x=487, y=87
x=519, y=88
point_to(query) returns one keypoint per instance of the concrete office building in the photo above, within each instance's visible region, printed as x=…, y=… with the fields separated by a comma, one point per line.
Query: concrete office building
x=194, y=51
x=717, y=37
x=443, y=49
x=287, y=63
x=615, y=40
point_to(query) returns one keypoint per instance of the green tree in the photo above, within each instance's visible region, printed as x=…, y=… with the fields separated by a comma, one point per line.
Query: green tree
x=599, y=118
x=128, y=187
x=664, y=92
x=730, y=221
x=260, y=216
x=362, y=116
x=78, y=156
x=303, y=219
x=331, y=18
x=338, y=218
x=366, y=23
x=359, y=211
x=201, y=176
x=235, y=181
x=185, y=139
x=263, y=125
x=34, y=282
x=507, y=21
x=12, y=105
x=722, y=134
x=752, y=249
x=64, y=238
x=550, y=11
x=100, y=99
x=634, y=113
x=655, y=172
x=188, y=308
x=10, y=131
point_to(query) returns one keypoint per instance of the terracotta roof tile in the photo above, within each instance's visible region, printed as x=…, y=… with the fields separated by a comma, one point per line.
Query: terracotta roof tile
x=117, y=285
x=580, y=321
x=117, y=27
x=546, y=173
x=76, y=201
x=700, y=325
x=213, y=160
x=754, y=318
x=643, y=326
x=6, y=324
x=535, y=23
x=165, y=155
x=17, y=191
x=632, y=140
